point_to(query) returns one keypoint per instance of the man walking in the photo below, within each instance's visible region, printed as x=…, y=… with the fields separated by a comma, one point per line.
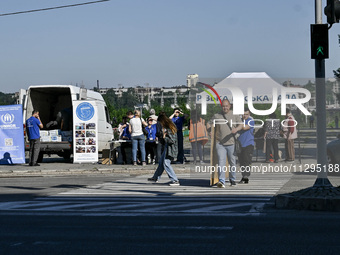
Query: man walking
x=227, y=125
x=33, y=125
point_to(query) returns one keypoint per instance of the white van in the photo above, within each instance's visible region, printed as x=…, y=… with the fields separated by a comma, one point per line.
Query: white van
x=49, y=100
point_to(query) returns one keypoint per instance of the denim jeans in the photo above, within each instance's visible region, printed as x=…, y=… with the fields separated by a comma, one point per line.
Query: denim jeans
x=224, y=151
x=140, y=139
x=165, y=164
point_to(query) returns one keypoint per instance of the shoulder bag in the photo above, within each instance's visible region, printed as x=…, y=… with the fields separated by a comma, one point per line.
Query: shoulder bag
x=145, y=132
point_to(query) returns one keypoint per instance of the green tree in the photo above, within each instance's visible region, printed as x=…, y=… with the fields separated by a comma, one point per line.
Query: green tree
x=7, y=99
x=337, y=76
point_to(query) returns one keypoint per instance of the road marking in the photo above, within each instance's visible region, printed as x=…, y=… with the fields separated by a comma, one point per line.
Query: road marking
x=171, y=207
x=218, y=207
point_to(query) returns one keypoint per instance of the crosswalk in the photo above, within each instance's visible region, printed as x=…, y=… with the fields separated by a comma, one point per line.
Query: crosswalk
x=191, y=185
x=135, y=196
x=233, y=206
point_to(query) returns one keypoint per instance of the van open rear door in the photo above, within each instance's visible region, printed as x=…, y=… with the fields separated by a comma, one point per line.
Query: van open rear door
x=22, y=96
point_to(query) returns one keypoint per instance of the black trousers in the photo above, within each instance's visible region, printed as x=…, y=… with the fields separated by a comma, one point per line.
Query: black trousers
x=150, y=149
x=180, y=155
x=245, y=159
x=272, y=145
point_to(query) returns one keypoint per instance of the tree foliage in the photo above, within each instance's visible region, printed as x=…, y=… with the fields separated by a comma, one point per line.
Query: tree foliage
x=118, y=106
x=7, y=99
x=337, y=76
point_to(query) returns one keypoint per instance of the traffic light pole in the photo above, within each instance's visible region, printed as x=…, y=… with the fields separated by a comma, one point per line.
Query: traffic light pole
x=322, y=195
x=321, y=140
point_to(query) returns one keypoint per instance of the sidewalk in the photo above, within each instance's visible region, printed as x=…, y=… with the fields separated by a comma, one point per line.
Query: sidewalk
x=62, y=168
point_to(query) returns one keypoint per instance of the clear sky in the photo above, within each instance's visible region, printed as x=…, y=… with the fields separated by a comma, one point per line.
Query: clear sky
x=134, y=42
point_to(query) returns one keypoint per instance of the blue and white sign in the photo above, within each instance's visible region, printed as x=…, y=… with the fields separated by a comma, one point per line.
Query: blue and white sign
x=12, y=146
x=85, y=111
x=85, y=132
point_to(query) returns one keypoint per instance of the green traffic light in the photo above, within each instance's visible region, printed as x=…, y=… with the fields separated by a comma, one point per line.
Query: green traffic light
x=320, y=50
x=319, y=41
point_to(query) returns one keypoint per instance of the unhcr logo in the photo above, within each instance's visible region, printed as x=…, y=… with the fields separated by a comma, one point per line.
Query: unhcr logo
x=7, y=118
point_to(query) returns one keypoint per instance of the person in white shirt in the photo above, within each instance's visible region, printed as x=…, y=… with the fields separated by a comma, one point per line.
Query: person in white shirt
x=137, y=137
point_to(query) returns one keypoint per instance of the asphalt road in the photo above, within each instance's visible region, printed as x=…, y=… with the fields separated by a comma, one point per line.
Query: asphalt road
x=275, y=233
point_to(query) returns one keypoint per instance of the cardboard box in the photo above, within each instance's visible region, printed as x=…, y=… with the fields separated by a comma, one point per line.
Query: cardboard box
x=55, y=138
x=45, y=139
x=44, y=133
x=54, y=132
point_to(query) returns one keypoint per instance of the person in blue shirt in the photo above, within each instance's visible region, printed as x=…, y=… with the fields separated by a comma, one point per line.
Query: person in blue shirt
x=178, y=121
x=124, y=135
x=247, y=145
x=150, y=145
x=33, y=125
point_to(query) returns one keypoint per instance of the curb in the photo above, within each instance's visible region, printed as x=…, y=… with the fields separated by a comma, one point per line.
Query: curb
x=84, y=171
x=313, y=198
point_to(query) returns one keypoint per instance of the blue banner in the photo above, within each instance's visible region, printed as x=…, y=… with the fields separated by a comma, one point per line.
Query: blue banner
x=12, y=146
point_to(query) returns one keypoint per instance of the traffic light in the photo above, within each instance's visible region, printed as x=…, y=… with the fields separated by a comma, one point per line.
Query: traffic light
x=332, y=11
x=319, y=41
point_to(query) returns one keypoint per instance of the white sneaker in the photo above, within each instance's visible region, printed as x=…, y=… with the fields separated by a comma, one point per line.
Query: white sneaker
x=220, y=185
x=174, y=183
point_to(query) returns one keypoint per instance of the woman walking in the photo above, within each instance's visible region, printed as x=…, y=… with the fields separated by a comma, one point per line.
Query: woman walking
x=170, y=151
x=137, y=137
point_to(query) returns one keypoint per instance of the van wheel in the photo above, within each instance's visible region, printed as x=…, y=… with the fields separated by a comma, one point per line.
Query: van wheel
x=67, y=154
x=40, y=157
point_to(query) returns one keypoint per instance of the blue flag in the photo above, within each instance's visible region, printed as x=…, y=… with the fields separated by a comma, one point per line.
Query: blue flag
x=12, y=146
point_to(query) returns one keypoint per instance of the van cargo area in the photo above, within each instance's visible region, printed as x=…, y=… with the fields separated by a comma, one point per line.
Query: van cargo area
x=55, y=104
x=49, y=101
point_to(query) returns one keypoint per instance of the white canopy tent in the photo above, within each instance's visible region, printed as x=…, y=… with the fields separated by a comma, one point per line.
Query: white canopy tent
x=239, y=87
x=260, y=83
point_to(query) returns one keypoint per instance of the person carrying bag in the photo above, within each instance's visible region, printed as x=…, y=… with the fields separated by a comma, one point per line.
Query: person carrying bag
x=198, y=136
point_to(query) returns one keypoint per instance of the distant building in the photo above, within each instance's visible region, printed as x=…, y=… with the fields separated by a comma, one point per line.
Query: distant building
x=192, y=79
